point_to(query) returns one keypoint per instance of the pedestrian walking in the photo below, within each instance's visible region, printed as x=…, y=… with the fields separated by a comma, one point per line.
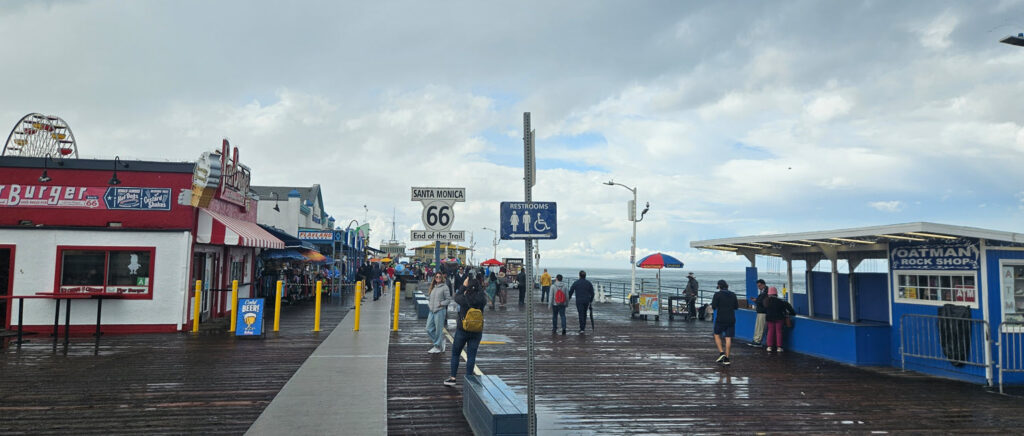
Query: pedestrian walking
x=725, y=304
x=559, y=301
x=776, y=311
x=492, y=288
x=471, y=297
x=545, y=286
x=584, y=292
x=759, y=323
x=437, y=301
x=502, y=286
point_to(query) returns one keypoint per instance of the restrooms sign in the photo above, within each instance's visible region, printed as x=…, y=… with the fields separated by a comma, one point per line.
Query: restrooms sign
x=954, y=256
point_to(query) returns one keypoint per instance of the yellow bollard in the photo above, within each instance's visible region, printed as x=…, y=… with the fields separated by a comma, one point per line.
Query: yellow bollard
x=316, y=318
x=195, y=312
x=398, y=290
x=234, y=305
x=277, y=308
x=359, y=297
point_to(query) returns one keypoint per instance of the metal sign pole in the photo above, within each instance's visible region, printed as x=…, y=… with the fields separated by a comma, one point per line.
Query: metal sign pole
x=528, y=182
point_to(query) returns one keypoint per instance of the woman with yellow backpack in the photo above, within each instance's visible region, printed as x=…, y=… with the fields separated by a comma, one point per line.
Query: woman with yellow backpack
x=469, y=325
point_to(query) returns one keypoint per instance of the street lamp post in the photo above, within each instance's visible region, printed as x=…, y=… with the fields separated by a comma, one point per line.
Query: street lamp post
x=632, y=248
x=494, y=242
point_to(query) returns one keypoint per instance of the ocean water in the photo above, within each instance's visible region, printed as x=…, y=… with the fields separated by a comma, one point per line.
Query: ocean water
x=676, y=278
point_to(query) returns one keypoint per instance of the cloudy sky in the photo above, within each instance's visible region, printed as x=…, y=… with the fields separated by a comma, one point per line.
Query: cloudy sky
x=732, y=118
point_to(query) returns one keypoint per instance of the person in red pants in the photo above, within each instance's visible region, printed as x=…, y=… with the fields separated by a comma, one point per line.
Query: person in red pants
x=776, y=310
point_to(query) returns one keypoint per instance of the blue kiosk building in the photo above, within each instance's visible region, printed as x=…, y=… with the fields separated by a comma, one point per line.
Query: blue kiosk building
x=950, y=302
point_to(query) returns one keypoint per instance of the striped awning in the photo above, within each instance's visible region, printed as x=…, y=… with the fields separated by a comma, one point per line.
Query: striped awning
x=218, y=229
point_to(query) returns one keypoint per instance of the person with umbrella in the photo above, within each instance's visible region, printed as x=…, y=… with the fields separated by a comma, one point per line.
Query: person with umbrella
x=584, y=291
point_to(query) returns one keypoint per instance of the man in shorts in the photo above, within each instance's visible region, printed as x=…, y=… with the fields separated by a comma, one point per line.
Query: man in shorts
x=725, y=304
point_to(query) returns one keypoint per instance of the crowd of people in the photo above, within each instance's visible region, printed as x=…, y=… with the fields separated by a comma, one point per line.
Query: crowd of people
x=469, y=291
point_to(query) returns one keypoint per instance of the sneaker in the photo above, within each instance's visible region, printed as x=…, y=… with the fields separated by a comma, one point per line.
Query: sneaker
x=778, y=349
x=563, y=331
x=754, y=344
x=434, y=350
x=443, y=346
x=583, y=332
x=450, y=381
x=726, y=361
x=770, y=349
x=721, y=357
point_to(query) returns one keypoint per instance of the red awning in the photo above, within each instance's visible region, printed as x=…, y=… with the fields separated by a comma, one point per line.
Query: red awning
x=218, y=229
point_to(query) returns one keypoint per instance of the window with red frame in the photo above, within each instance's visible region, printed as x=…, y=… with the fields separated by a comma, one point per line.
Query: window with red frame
x=126, y=271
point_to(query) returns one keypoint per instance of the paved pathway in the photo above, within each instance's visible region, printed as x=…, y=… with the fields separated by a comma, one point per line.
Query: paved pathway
x=341, y=388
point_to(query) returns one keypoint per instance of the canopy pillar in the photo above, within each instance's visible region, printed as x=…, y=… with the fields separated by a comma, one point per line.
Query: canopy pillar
x=853, y=262
x=812, y=261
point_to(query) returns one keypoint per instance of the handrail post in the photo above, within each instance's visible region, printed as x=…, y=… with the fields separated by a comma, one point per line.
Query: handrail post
x=234, y=305
x=195, y=311
x=316, y=318
x=277, y=308
x=359, y=298
x=398, y=290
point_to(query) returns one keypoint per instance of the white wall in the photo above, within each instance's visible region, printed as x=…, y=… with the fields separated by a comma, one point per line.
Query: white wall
x=35, y=268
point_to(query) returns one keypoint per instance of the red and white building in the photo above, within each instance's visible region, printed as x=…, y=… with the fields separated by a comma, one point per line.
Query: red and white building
x=138, y=232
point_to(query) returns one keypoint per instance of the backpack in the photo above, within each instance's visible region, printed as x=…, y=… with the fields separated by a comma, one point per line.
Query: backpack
x=474, y=320
x=559, y=298
x=702, y=312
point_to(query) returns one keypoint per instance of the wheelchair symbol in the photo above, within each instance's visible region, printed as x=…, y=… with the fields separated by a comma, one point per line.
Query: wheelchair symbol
x=540, y=225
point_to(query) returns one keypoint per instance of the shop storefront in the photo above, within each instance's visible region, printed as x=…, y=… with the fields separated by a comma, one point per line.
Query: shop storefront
x=95, y=227
x=134, y=233
x=951, y=302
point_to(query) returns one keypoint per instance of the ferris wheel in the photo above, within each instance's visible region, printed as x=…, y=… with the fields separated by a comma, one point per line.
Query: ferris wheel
x=37, y=135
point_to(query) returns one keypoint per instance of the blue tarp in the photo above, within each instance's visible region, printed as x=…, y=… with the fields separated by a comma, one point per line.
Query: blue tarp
x=285, y=254
x=289, y=240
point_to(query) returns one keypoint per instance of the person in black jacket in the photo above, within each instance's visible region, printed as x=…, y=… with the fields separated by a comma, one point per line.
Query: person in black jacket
x=521, y=279
x=584, y=291
x=776, y=310
x=471, y=296
x=759, y=322
x=725, y=304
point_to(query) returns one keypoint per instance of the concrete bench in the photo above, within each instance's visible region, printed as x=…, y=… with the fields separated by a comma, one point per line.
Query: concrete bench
x=492, y=408
x=422, y=309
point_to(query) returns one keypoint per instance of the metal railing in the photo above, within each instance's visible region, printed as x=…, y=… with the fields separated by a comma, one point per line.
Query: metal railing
x=618, y=291
x=1011, y=349
x=958, y=341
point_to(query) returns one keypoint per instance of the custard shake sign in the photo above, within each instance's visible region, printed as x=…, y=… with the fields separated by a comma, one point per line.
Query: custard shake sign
x=962, y=256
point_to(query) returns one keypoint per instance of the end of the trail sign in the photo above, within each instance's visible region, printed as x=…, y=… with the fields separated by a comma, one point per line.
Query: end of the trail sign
x=534, y=220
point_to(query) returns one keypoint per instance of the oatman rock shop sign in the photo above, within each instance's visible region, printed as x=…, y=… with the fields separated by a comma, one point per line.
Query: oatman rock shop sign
x=438, y=214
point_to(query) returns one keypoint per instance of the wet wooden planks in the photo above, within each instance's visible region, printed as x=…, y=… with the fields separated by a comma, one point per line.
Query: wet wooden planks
x=633, y=376
x=154, y=383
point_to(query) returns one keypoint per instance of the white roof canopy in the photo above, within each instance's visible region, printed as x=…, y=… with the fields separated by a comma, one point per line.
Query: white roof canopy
x=862, y=242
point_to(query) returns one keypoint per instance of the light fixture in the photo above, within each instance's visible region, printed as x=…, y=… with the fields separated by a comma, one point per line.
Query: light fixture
x=1014, y=40
x=795, y=244
x=859, y=241
x=820, y=242
x=721, y=247
x=43, y=178
x=754, y=247
x=903, y=238
x=931, y=235
x=760, y=244
x=277, y=200
x=113, y=179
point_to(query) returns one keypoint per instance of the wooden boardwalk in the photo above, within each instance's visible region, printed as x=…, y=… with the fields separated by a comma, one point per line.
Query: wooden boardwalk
x=648, y=377
x=627, y=377
x=154, y=383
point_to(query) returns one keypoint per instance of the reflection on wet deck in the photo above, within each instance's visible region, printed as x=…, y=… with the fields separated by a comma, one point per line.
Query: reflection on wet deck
x=634, y=376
